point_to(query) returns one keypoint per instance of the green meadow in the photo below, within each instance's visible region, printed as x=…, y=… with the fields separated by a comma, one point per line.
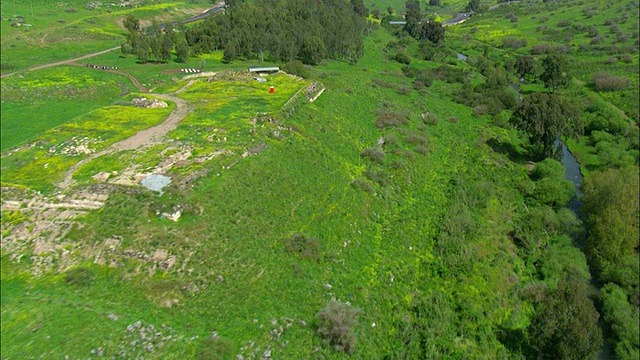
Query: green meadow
x=428, y=216
x=65, y=30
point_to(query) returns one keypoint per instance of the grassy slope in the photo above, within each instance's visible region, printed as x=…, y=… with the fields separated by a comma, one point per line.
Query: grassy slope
x=36, y=102
x=59, y=35
x=301, y=184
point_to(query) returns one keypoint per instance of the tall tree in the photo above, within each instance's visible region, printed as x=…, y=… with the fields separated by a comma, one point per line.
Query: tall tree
x=525, y=65
x=544, y=118
x=131, y=23
x=182, y=48
x=566, y=323
x=473, y=5
x=611, y=205
x=412, y=17
x=555, y=72
x=359, y=8
x=431, y=30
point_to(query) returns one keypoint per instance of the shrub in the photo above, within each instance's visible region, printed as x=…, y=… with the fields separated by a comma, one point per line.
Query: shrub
x=480, y=110
x=363, y=185
x=215, y=348
x=390, y=140
x=421, y=149
x=416, y=139
x=596, y=40
x=429, y=118
x=453, y=119
x=296, y=67
x=564, y=23
x=304, y=246
x=403, y=90
x=7, y=67
x=627, y=58
x=390, y=118
x=70, y=10
x=336, y=324
x=608, y=82
x=373, y=154
x=541, y=48
x=514, y=43
x=543, y=19
x=554, y=192
x=78, y=276
x=512, y=17
x=402, y=57
x=548, y=168
x=379, y=177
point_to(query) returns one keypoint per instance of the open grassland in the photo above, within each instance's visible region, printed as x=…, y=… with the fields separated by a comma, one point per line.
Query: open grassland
x=56, y=150
x=447, y=8
x=381, y=193
x=377, y=222
x=38, y=101
x=599, y=37
x=61, y=31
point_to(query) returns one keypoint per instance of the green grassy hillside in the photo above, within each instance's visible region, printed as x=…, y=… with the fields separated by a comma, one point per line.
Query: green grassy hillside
x=427, y=217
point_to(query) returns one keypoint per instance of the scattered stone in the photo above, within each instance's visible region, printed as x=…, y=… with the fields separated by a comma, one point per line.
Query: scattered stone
x=328, y=286
x=101, y=177
x=148, y=103
x=137, y=324
x=112, y=317
x=160, y=255
x=173, y=216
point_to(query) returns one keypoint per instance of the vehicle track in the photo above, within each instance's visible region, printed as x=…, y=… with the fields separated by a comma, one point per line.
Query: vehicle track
x=142, y=138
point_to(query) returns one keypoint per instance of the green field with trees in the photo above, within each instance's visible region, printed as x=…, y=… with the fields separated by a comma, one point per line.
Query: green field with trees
x=394, y=192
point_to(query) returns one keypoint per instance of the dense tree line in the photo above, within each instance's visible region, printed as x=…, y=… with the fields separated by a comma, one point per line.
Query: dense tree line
x=284, y=30
x=277, y=30
x=155, y=43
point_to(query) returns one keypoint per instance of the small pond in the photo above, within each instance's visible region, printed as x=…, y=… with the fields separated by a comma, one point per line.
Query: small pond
x=156, y=182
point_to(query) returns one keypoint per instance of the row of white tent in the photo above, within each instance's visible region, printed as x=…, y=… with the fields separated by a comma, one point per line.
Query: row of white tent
x=190, y=70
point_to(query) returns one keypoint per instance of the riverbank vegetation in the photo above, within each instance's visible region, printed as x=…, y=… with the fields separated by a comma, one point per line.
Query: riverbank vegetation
x=417, y=208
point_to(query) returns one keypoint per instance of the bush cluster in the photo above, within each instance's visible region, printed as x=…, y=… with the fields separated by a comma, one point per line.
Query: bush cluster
x=304, y=246
x=374, y=154
x=386, y=118
x=513, y=42
x=606, y=81
x=336, y=323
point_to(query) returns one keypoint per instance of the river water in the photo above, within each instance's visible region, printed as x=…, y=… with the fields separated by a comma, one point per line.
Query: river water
x=573, y=174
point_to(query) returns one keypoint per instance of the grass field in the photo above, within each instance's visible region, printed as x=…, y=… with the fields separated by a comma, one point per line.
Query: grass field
x=300, y=183
x=413, y=222
x=62, y=31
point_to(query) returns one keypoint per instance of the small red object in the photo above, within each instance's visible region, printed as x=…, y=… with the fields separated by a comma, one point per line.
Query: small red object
x=272, y=90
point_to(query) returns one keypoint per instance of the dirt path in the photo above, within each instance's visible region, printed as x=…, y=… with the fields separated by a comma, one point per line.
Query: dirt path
x=64, y=62
x=143, y=138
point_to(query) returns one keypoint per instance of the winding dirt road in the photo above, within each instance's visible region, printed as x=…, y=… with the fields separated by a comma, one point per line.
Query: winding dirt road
x=143, y=138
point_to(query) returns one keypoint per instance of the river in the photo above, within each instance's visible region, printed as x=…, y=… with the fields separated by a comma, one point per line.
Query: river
x=573, y=174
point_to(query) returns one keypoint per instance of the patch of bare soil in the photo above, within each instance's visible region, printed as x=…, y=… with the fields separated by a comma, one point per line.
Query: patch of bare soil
x=33, y=226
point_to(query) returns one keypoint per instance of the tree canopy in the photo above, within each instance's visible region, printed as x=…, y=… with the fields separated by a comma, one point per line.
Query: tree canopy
x=544, y=118
x=284, y=30
x=555, y=72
